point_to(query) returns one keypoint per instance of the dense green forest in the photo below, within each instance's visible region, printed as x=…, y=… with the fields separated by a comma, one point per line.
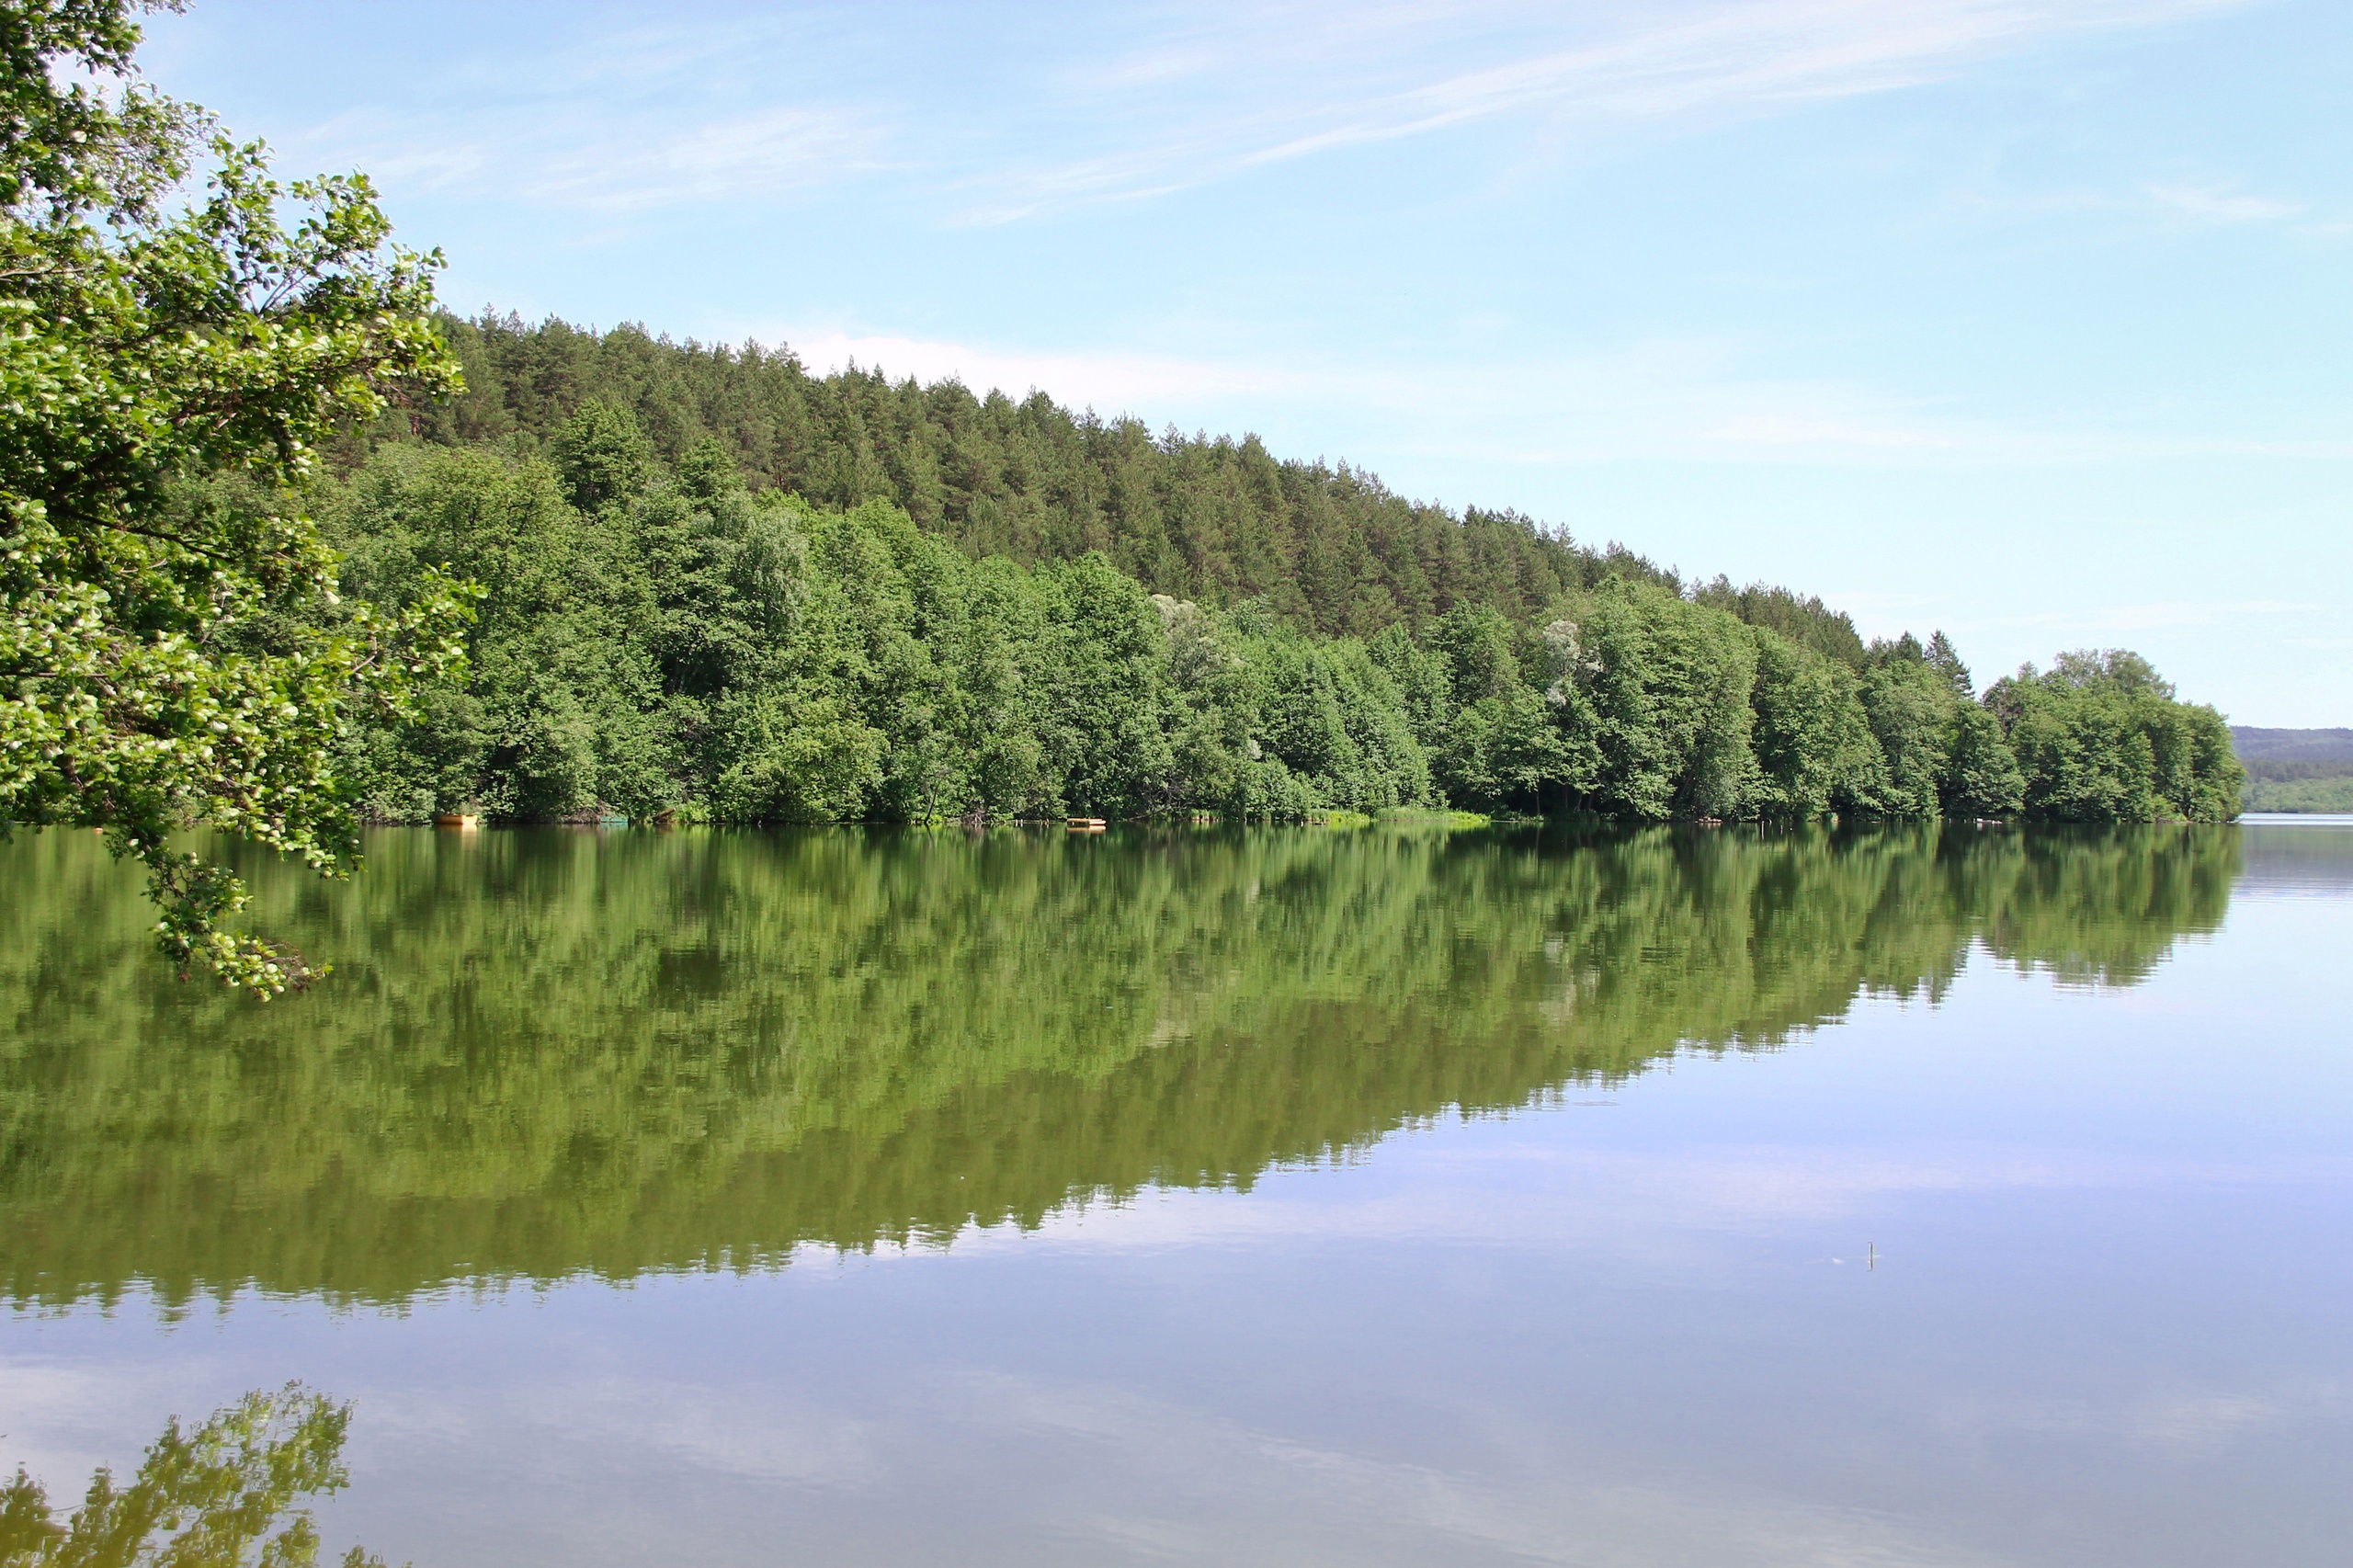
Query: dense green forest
x=1215, y=521
x=552, y=1050
x=717, y=587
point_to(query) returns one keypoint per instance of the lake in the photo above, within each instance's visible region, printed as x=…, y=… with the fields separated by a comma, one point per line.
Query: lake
x=1926, y=1196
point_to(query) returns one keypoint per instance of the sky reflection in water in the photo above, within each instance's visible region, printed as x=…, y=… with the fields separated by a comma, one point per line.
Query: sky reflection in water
x=1891, y=1198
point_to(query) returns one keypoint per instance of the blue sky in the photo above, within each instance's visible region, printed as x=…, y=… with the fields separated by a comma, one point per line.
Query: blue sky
x=2026, y=319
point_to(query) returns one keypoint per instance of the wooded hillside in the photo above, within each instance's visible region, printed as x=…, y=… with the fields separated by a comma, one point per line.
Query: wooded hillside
x=1215, y=521
x=718, y=586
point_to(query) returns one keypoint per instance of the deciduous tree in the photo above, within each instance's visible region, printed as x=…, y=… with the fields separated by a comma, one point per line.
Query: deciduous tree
x=172, y=652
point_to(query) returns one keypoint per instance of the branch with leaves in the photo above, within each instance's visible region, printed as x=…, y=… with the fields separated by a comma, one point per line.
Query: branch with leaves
x=173, y=653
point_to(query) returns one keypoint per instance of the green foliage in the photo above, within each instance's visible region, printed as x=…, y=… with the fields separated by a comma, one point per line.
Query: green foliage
x=1668, y=683
x=172, y=654
x=1945, y=660
x=2315, y=794
x=1912, y=714
x=69, y=147
x=1805, y=620
x=1496, y=741
x=2295, y=770
x=2275, y=770
x=553, y=1051
x=223, y=1495
x=1214, y=521
x=1982, y=776
x=550, y=719
x=603, y=456
x=698, y=647
x=1815, y=751
x=710, y=651
x=2100, y=738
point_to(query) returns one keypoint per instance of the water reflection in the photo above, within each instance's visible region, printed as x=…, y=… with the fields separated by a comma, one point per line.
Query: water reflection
x=229, y=1492
x=548, y=1052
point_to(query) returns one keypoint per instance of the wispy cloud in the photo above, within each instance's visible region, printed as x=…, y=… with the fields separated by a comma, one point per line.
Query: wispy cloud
x=2164, y=615
x=2218, y=204
x=1126, y=106
x=1661, y=399
x=532, y=159
x=2173, y=613
x=762, y=154
x=621, y=120
x=1398, y=79
x=1112, y=382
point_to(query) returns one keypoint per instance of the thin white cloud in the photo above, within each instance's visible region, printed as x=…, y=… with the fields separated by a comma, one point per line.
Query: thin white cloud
x=1663, y=399
x=619, y=163
x=2217, y=204
x=2188, y=612
x=624, y=119
x=1675, y=61
x=1771, y=430
x=1126, y=106
x=2161, y=615
x=1112, y=382
x=764, y=153
x=1809, y=48
x=1665, y=1212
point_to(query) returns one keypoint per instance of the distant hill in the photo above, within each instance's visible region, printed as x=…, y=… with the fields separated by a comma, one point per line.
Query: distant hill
x=2293, y=746
x=2296, y=770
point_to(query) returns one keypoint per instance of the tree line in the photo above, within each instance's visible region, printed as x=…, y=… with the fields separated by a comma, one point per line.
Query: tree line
x=679, y=638
x=704, y=581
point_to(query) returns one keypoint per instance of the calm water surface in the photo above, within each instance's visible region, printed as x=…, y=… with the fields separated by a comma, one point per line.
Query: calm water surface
x=1673, y=1198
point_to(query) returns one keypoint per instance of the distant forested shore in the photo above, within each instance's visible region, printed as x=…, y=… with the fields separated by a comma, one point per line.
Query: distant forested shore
x=717, y=587
x=2296, y=770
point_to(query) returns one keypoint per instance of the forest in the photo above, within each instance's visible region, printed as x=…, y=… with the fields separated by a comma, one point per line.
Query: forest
x=714, y=585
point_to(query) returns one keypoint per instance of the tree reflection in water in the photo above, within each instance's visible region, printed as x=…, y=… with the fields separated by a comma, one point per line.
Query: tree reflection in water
x=547, y=1052
x=223, y=1496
